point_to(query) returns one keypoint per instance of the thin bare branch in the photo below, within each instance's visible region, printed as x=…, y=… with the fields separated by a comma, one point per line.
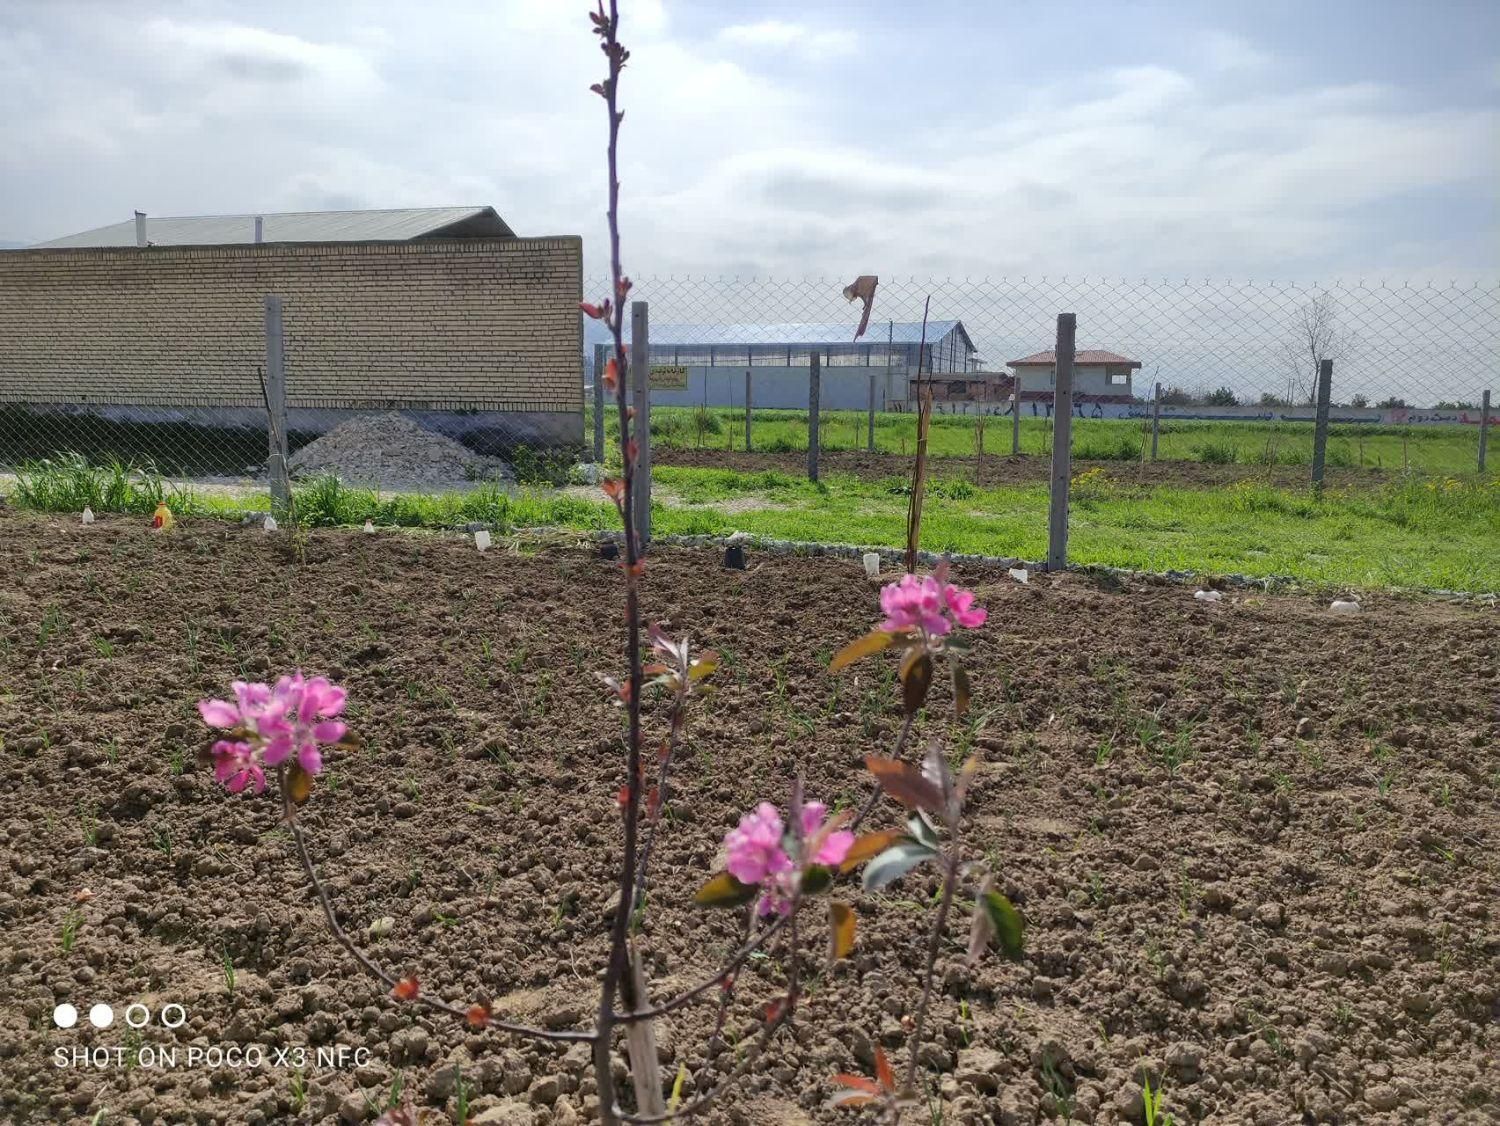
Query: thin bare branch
x=372, y=968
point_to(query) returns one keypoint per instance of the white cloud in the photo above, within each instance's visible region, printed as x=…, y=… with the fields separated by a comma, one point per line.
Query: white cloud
x=731, y=161
x=779, y=35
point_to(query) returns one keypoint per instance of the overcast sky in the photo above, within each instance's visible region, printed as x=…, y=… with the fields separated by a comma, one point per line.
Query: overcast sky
x=1284, y=138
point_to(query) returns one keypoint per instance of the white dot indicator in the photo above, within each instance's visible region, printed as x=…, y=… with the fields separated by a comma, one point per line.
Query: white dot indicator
x=65, y=1016
x=181, y=1015
x=101, y=1016
x=137, y=1015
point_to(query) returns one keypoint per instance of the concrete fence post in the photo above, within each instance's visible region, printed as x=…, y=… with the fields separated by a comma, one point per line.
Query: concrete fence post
x=1484, y=429
x=1062, y=444
x=814, y=395
x=1155, y=422
x=640, y=371
x=870, y=418
x=1320, y=433
x=749, y=408
x=601, y=357
x=1015, y=422
x=275, y=391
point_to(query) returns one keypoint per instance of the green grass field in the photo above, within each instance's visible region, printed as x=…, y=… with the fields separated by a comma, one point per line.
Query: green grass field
x=1427, y=449
x=1412, y=533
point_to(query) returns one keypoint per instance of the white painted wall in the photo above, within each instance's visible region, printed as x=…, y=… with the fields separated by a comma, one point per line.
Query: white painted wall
x=1088, y=379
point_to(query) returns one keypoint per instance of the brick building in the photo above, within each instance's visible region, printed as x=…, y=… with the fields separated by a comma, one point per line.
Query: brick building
x=440, y=313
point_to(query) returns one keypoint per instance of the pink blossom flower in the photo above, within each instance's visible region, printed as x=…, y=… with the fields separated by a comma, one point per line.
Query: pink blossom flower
x=291, y=724
x=960, y=604
x=835, y=846
x=913, y=603
x=927, y=604
x=236, y=768
x=755, y=847
x=758, y=854
x=273, y=724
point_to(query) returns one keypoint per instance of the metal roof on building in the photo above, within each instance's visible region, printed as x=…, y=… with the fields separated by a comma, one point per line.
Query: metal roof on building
x=826, y=334
x=394, y=225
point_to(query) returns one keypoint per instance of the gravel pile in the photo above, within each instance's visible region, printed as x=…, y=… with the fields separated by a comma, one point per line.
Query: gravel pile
x=388, y=451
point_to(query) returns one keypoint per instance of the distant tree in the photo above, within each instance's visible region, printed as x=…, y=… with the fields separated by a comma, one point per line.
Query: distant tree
x=1455, y=405
x=1175, y=396
x=1269, y=400
x=1392, y=404
x=1315, y=336
x=1359, y=400
x=1222, y=397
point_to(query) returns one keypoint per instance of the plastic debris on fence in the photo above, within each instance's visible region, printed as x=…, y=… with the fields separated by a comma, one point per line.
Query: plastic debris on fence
x=270, y=524
x=1020, y=574
x=1344, y=606
x=1207, y=595
x=369, y=526
x=161, y=519
x=872, y=564
x=482, y=540
x=88, y=515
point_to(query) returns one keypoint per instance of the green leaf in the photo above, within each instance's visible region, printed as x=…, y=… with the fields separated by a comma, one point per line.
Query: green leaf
x=922, y=831
x=1006, y=921
x=860, y=648
x=894, y=863
x=816, y=879
x=724, y=891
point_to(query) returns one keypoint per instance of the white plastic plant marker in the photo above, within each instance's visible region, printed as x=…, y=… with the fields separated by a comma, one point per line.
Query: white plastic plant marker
x=369, y=526
x=872, y=564
x=1344, y=606
x=1020, y=574
x=1207, y=595
x=88, y=515
x=270, y=524
x=482, y=540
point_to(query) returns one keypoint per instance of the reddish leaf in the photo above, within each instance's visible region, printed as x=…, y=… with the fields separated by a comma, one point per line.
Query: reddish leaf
x=776, y=1009
x=852, y=1098
x=905, y=783
x=406, y=989
x=614, y=488
x=841, y=926
x=857, y=1082
x=590, y=310
x=478, y=1016
x=611, y=375
x=860, y=648
x=299, y=783
x=871, y=844
x=883, y=1070
x=916, y=678
x=961, y=691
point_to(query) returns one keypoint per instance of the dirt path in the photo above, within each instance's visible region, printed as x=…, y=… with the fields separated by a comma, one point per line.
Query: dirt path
x=1256, y=844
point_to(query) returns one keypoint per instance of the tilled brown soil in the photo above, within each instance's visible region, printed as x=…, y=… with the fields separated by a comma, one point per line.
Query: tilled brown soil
x=1255, y=843
x=1027, y=469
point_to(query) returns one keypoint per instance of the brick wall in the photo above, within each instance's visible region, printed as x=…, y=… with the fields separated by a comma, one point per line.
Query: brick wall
x=484, y=324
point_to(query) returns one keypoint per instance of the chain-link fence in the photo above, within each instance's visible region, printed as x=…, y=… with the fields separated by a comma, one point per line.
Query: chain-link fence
x=1218, y=374
x=1227, y=371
